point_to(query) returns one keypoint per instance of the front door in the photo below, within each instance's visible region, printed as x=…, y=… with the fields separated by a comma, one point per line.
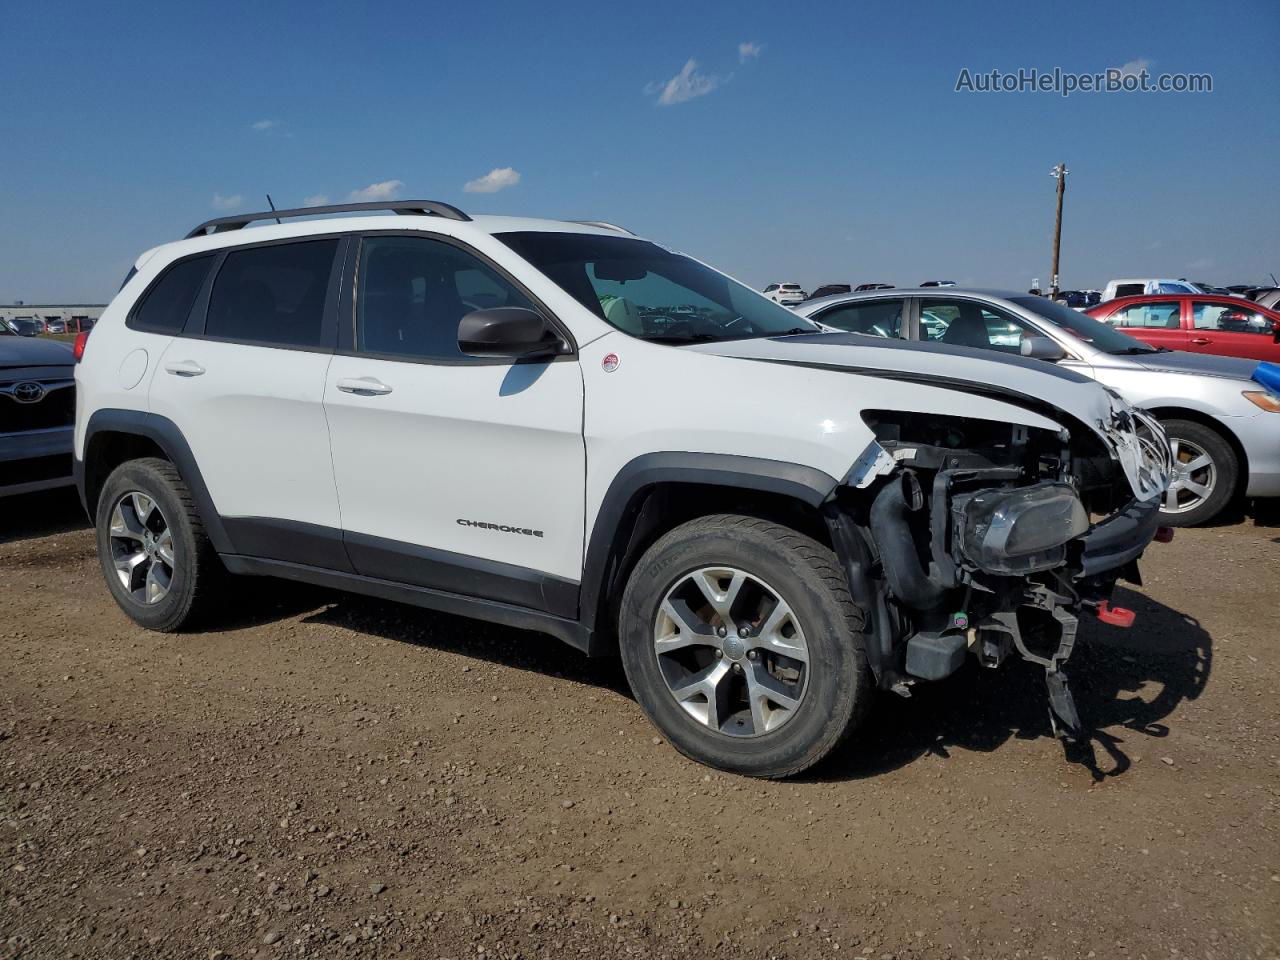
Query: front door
x=453, y=473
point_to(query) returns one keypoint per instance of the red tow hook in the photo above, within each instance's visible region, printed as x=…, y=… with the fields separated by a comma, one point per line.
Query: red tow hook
x=1164, y=535
x=1116, y=616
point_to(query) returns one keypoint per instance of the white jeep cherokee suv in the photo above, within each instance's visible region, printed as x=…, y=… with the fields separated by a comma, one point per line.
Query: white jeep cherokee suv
x=562, y=427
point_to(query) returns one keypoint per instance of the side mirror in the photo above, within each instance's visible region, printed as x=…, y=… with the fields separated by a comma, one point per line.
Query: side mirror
x=1041, y=348
x=507, y=332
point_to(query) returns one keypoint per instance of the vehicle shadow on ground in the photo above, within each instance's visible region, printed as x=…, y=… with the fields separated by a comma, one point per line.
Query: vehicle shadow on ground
x=1125, y=683
x=504, y=646
x=43, y=514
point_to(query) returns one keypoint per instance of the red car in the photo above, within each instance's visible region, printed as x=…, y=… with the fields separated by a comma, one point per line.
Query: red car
x=1199, y=323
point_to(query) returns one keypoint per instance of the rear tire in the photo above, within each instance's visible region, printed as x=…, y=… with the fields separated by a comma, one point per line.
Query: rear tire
x=158, y=563
x=1198, y=493
x=785, y=683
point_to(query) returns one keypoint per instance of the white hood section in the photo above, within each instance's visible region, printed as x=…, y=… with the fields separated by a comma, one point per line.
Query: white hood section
x=1032, y=385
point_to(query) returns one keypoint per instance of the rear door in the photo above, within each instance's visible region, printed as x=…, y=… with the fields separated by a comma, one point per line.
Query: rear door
x=876, y=318
x=244, y=384
x=1233, y=328
x=455, y=473
x=1157, y=322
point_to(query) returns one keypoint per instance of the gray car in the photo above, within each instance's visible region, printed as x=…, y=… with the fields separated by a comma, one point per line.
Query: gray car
x=37, y=412
x=1223, y=426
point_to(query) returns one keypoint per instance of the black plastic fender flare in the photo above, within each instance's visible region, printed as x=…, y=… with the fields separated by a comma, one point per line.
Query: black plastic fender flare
x=626, y=493
x=166, y=435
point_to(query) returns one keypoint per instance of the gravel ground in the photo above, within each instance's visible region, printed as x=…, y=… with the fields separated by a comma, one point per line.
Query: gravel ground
x=327, y=775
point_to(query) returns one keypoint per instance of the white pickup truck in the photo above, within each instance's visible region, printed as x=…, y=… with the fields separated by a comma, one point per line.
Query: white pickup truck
x=1141, y=287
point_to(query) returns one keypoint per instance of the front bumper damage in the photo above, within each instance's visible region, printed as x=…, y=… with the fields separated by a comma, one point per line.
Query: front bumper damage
x=932, y=605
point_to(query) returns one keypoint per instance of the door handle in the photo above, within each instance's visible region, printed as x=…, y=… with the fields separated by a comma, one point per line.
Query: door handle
x=1200, y=341
x=363, y=386
x=184, y=368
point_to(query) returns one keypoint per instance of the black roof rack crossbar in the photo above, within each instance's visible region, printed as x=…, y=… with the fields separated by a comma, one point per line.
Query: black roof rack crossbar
x=433, y=208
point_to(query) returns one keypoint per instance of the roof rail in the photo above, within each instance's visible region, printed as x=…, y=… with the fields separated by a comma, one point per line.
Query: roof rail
x=407, y=207
x=603, y=225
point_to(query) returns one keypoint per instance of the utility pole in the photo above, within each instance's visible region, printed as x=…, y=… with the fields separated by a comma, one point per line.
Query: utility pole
x=1059, y=173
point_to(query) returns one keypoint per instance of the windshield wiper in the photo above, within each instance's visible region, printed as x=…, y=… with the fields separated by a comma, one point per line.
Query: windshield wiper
x=1131, y=351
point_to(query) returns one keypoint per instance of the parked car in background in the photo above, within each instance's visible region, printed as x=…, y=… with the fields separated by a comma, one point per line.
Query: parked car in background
x=828, y=290
x=37, y=413
x=787, y=294
x=28, y=326
x=938, y=283
x=1226, y=326
x=1136, y=288
x=1075, y=299
x=1221, y=422
x=1268, y=297
x=872, y=286
x=57, y=326
x=1211, y=288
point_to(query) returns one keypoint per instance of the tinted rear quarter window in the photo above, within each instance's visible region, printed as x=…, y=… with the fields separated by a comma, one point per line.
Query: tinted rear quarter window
x=166, y=305
x=272, y=295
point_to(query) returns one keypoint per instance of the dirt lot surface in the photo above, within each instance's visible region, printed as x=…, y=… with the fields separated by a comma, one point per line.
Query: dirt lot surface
x=328, y=776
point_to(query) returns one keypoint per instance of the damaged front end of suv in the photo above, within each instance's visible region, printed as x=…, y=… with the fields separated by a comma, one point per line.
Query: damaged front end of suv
x=963, y=536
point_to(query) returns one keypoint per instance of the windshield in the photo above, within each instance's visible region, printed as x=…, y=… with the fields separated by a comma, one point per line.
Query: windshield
x=652, y=293
x=1084, y=327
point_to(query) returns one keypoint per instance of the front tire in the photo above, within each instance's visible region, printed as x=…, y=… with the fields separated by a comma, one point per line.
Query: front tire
x=155, y=556
x=1206, y=471
x=742, y=645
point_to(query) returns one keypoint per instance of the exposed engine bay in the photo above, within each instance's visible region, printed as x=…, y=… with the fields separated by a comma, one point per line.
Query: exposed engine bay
x=976, y=537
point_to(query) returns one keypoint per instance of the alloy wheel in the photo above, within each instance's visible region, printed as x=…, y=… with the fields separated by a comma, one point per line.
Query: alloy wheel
x=1194, y=476
x=732, y=651
x=142, y=548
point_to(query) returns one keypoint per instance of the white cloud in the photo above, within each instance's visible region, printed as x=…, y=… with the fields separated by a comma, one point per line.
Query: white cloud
x=264, y=125
x=685, y=85
x=315, y=200
x=1133, y=67
x=496, y=179
x=219, y=202
x=383, y=190
x=749, y=51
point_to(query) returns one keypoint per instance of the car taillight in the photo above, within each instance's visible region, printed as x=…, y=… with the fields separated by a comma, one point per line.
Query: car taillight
x=82, y=339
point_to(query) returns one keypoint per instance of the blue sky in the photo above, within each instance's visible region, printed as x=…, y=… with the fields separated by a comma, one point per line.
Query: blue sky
x=834, y=149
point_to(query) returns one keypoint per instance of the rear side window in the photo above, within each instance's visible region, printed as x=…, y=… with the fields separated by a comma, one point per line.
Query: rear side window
x=1165, y=315
x=166, y=305
x=883, y=318
x=272, y=295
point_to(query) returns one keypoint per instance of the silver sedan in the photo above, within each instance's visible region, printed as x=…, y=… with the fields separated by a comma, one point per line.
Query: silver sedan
x=1223, y=426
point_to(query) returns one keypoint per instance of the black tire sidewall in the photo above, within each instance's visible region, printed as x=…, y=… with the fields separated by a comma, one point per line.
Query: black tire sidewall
x=838, y=668
x=1224, y=459
x=142, y=477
